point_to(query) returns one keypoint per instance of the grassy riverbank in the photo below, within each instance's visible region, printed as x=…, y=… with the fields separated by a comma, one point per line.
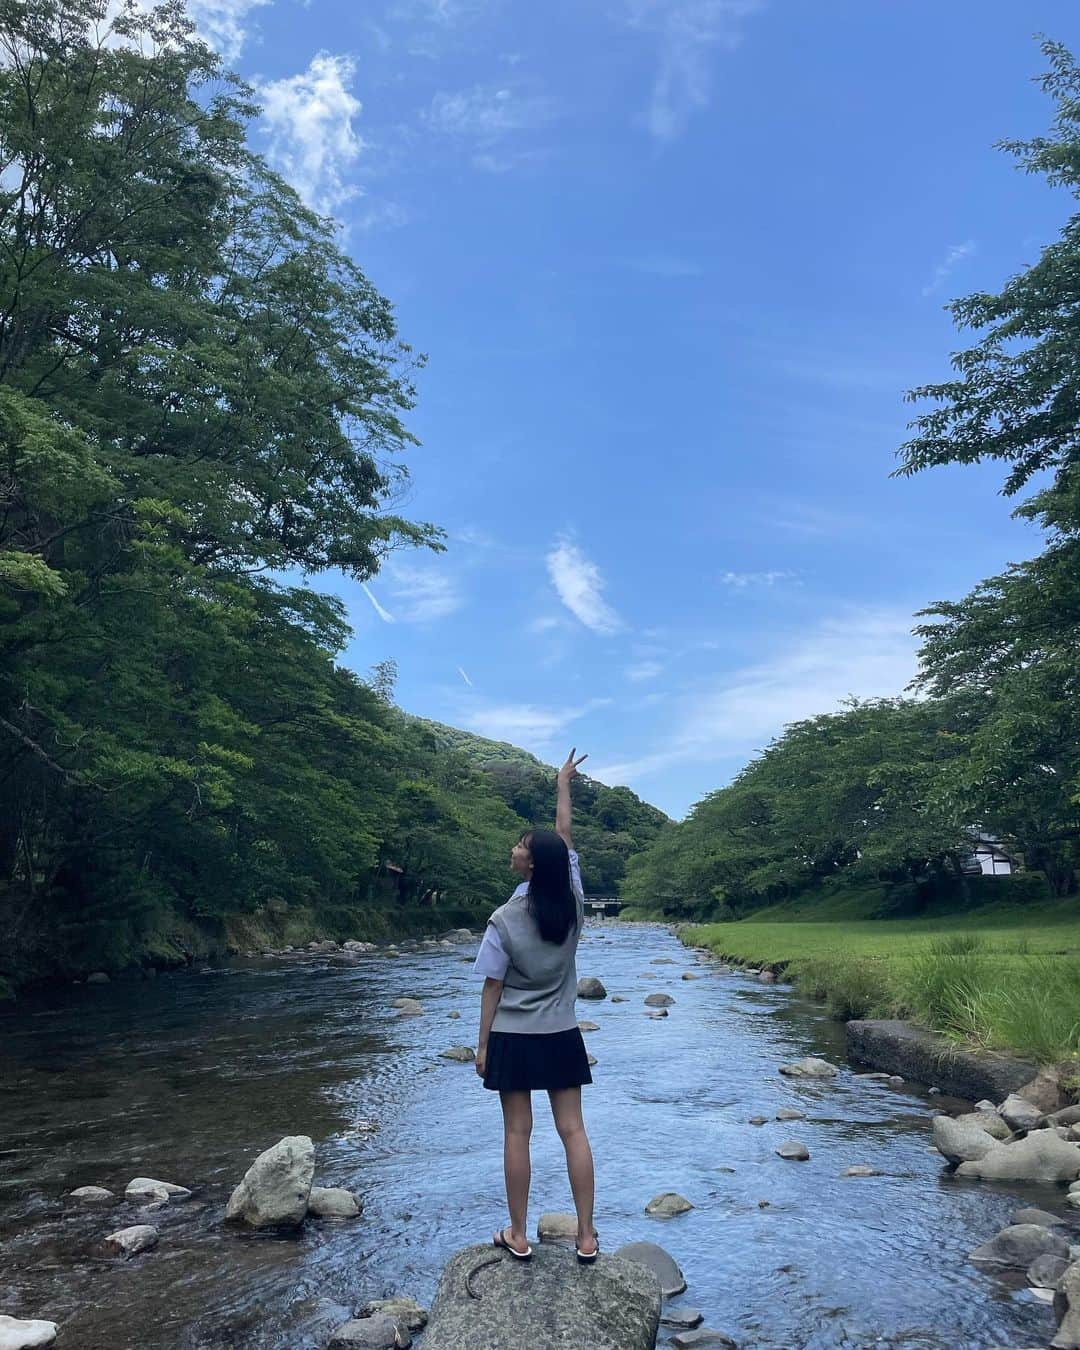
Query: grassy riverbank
x=1002, y=977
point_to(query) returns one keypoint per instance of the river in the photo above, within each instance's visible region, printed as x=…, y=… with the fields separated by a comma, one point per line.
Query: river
x=188, y=1077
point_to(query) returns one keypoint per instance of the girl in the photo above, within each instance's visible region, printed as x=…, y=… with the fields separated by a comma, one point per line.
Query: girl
x=529, y=1036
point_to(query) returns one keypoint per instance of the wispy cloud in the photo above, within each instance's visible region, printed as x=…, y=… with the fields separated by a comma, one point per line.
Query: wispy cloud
x=644, y=670
x=308, y=119
x=857, y=653
x=465, y=677
x=423, y=594
x=663, y=265
x=222, y=24
x=741, y=581
x=689, y=32
x=383, y=614
x=951, y=260
x=528, y=725
x=486, y=117
x=580, y=587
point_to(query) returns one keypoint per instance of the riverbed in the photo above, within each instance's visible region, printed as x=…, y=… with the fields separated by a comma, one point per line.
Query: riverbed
x=188, y=1077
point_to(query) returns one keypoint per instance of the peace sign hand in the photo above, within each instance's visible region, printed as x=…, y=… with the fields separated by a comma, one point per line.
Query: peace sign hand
x=569, y=770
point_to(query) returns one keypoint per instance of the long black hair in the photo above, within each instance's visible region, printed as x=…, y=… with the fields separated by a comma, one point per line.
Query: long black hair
x=551, y=898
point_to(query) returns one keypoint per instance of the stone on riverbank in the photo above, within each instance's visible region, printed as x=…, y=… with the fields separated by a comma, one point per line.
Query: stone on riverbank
x=590, y=987
x=373, y=1333
x=141, y=1237
x=657, y=1260
x=1046, y=1270
x=1032, y=1215
x=810, y=1067
x=1018, y=1245
x=1040, y=1156
x=659, y=1000
x=668, y=1205
x=989, y=1121
x=1067, y=1310
x=18, y=1333
x=961, y=1141
x=277, y=1186
x=557, y=1227
x=333, y=1202
x=404, y=1310
x=614, y=1305
x=889, y=1043
x=1044, y=1091
x=461, y=1054
x=1018, y=1113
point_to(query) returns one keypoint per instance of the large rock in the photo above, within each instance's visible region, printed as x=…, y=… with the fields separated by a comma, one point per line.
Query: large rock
x=1044, y=1091
x=91, y=1195
x=404, y=1310
x=810, y=1067
x=1018, y=1113
x=17, y=1333
x=1040, y=1156
x=333, y=1202
x=1019, y=1245
x=547, y=1302
x=989, y=1121
x=590, y=987
x=373, y=1333
x=1031, y=1215
x=929, y=1058
x=657, y=1260
x=141, y=1237
x=146, y=1188
x=1067, y=1310
x=659, y=1000
x=277, y=1186
x=668, y=1205
x=961, y=1141
x=1046, y=1270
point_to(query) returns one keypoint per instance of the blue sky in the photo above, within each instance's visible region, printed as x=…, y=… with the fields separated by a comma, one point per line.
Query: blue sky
x=673, y=264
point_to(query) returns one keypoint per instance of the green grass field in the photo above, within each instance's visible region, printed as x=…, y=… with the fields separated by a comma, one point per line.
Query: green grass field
x=1001, y=977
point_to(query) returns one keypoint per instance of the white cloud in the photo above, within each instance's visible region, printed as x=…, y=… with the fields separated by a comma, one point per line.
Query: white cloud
x=222, y=24
x=527, y=725
x=645, y=670
x=309, y=121
x=580, y=587
x=860, y=653
x=944, y=269
x=465, y=677
x=489, y=112
x=741, y=581
x=688, y=32
x=422, y=594
x=383, y=614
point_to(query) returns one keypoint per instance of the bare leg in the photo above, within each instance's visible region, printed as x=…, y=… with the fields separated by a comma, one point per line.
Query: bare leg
x=517, y=1166
x=566, y=1108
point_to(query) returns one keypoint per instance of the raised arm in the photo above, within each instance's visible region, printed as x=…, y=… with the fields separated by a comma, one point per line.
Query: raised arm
x=567, y=774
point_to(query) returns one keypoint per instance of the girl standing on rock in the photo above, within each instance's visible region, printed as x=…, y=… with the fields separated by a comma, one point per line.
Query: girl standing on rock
x=529, y=1037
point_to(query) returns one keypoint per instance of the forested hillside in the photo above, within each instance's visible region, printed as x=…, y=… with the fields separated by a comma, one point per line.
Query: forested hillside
x=889, y=795
x=201, y=394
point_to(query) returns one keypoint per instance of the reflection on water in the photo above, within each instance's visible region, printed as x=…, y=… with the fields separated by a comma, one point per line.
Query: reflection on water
x=188, y=1077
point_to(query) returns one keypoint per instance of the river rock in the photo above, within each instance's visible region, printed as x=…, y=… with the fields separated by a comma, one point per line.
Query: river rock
x=17, y=1333
x=375, y=1333
x=1045, y=1271
x=928, y=1057
x=793, y=1150
x=1018, y=1113
x=1040, y=1156
x=552, y=1301
x=657, y=1013
x=141, y=1237
x=860, y=1170
x=1044, y=1091
x=1032, y=1215
x=1073, y=1199
x=588, y=1026
x=333, y=1202
x=989, y=1121
x=810, y=1067
x=405, y=1311
x=556, y=1227
x=758, y=1120
x=408, y=1004
x=659, y=1000
x=1068, y=1115
x=454, y=1016
x=668, y=1205
x=766, y=977
x=146, y=1188
x=683, y=1318
x=690, y=975
x=657, y=1260
x=789, y=1113
x=276, y=1187
x=619, y=998
x=661, y=961
x=590, y=987
x=961, y=1141
x=91, y=1195
x=1019, y=1245
x=702, y=1337
x=461, y=1054
x=1067, y=1309
x=986, y=1105
x=591, y=1060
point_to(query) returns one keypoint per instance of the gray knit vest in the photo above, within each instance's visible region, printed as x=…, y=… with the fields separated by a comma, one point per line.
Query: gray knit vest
x=540, y=984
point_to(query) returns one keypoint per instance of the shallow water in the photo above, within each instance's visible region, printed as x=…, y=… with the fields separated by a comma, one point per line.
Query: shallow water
x=188, y=1077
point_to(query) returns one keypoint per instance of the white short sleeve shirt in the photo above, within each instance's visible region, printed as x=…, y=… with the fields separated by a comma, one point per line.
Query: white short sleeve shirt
x=492, y=961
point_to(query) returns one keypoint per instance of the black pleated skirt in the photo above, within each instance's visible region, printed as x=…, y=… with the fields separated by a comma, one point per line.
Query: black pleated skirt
x=521, y=1062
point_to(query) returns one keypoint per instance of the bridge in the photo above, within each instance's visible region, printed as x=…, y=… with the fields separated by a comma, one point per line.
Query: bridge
x=607, y=907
